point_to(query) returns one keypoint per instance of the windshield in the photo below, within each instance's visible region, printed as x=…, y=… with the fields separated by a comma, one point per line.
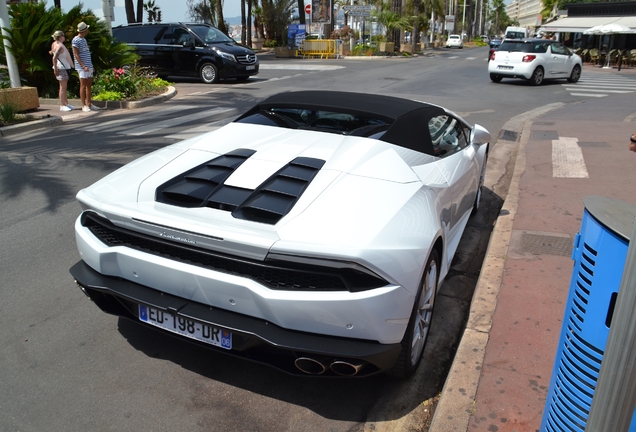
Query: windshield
x=210, y=34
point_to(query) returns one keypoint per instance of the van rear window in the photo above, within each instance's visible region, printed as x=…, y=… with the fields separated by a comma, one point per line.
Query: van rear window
x=515, y=35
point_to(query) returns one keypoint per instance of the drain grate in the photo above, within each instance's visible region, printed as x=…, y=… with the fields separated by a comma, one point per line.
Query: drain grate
x=537, y=244
x=508, y=135
x=544, y=135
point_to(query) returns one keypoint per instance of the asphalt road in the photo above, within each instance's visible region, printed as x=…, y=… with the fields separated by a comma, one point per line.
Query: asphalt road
x=65, y=366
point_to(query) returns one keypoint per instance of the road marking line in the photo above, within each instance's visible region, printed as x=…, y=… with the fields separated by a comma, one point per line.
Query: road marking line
x=567, y=159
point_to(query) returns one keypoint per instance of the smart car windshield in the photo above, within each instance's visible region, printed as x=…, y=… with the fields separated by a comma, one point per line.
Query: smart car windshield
x=210, y=34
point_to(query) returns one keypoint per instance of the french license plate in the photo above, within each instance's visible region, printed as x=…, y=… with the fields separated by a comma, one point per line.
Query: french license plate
x=250, y=67
x=185, y=327
x=505, y=67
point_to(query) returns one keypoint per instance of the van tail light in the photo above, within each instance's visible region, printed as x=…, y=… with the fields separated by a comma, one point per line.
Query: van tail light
x=492, y=54
x=528, y=58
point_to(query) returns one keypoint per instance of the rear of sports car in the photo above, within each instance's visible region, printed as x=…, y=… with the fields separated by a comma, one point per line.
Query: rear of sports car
x=298, y=249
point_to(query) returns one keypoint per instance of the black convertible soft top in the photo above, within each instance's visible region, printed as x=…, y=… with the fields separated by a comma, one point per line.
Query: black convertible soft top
x=407, y=119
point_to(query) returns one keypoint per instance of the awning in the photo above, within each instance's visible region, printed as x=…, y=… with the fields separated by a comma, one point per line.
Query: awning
x=580, y=24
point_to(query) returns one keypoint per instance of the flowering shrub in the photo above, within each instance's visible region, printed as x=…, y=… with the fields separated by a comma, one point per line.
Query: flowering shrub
x=130, y=82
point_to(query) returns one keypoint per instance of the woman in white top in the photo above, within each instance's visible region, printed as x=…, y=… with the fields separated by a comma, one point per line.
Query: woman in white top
x=62, y=65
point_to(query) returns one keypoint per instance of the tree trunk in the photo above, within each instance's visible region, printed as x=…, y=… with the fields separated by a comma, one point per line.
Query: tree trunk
x=243, y=26
x=248, y=19
x=301, y=11
x=219, y=16
x=140, y=11
x=130, y=12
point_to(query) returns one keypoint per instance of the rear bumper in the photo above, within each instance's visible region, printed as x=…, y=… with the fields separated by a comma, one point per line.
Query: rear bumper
x=517, y=71
x=253, y=339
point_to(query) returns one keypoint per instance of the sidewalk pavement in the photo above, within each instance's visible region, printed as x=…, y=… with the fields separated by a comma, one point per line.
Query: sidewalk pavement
x=501, y=373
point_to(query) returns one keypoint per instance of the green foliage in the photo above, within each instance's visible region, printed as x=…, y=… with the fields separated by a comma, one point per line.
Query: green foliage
x=390, y=20
x=7, y=113
x=276, y=15
x=129, y=83
x=108, y=96
x=270, y=44
x=32, y=25
x=364, y=50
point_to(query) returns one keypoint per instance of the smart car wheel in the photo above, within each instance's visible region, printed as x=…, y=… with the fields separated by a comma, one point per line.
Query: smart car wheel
x=537, y=76
x=576, y=74
x=495, y=78
x=209, y=73
x=417, y=331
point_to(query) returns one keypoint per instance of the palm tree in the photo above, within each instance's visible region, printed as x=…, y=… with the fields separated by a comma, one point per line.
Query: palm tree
x=153, y=11
x=390, y=20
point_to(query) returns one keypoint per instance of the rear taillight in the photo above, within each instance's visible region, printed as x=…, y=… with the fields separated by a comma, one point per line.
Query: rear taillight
x=528, y=58
x=492, y=54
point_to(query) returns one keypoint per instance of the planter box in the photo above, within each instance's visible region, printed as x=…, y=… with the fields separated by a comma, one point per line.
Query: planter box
x=387, y=47
x=21, y=98
x=285, y=52
x=408, y=48
x=257, y=43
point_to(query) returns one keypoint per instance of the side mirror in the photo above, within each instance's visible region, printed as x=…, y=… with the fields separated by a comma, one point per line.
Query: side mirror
x=479, y=135
x=188, y=44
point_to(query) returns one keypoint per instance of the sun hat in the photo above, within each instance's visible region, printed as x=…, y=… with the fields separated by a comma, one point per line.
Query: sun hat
x=57, y=34
x=82, y=27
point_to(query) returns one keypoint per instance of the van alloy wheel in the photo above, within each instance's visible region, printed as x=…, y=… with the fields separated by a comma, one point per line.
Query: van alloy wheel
x=209, y=73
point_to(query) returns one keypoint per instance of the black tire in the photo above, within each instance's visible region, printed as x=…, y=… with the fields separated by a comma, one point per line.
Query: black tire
x=482, y=177
x=209, y=73
x=537, y=76
x=495, y=78
x=575, y=75
x=417, y=331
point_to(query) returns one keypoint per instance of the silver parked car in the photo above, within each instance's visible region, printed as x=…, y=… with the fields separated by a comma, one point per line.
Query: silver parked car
x=311, y=234
x=534, y=60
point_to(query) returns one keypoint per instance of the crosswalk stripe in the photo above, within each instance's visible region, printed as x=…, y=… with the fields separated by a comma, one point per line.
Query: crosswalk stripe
x=152, y=114
x=589, y=94
x=592, y=89
x=143, y=130
x=199, y=130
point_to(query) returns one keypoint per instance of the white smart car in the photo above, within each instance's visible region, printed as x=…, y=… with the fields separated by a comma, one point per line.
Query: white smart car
x=310, y=234
x=454, y=41
x=534, y=60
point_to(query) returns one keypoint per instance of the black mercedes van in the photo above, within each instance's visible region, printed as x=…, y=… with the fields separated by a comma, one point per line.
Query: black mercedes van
x=189, y=50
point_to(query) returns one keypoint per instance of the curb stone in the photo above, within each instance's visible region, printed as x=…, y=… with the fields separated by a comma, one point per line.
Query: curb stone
x=30, y=125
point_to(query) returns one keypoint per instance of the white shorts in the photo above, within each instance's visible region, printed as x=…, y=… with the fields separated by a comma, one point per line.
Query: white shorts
x=84, y=74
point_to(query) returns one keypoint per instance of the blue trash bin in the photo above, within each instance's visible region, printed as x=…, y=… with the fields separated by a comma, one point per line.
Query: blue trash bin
x=599, y=254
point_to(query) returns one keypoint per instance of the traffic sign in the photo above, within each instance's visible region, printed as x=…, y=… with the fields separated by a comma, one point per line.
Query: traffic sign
x=357, y=8
x=354, y=13
x=308, y=9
